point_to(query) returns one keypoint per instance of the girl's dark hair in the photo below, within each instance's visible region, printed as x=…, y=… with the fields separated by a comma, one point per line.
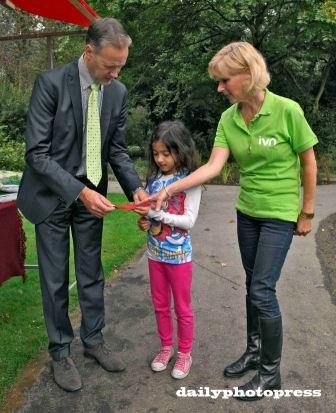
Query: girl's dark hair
x=178, y=140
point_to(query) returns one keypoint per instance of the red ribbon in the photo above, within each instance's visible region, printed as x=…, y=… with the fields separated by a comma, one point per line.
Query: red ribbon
x=132, y=205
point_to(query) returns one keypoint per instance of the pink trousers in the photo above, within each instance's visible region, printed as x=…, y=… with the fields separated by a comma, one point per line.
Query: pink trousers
x=166, y=279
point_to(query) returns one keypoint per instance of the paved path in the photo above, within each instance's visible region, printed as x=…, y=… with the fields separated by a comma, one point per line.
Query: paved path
x=218, y=297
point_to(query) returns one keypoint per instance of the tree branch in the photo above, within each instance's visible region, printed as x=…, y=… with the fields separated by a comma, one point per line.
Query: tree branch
x=204, y=39
x=289, y=72
x=222, y=16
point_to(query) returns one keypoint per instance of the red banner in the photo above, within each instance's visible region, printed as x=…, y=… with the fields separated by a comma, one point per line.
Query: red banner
x=69, y=11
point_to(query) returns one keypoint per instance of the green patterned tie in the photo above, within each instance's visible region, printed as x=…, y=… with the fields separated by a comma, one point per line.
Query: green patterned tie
x=93, y=138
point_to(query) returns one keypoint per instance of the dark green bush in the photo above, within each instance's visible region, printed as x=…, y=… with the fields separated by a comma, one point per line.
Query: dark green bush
x=139, y=127
x=13, y=111
x=135, y=151
x=323, y=124
x=11, y=153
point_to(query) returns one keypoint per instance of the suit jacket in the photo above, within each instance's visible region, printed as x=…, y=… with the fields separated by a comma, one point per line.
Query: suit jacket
x=54, y=136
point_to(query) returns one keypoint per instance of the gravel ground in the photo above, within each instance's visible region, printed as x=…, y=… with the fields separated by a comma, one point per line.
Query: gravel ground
x=326, y=252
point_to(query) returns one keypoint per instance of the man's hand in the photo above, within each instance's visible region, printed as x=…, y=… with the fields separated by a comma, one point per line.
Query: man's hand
x=144, y=224
x=303, y=226
x=96, y=203
x=140, y=195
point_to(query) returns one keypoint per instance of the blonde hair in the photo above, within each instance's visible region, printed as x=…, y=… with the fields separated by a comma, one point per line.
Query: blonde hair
x=239, y=57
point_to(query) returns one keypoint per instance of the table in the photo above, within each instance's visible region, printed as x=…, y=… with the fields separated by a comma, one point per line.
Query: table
x=12, y=242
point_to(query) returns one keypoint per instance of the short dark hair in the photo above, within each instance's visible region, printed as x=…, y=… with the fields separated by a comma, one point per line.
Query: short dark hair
x=178, y=140
x=107, y=31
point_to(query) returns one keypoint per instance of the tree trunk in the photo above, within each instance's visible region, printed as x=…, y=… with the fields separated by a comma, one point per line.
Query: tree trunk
x=322, y=85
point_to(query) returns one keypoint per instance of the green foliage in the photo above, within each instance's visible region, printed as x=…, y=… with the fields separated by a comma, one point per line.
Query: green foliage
x=138, y=128
x=173, y=41
x=135, y=151
x=9, y=177
x=167, y=68
x=141, y=166
x=229, y=175
x=13, y=108
x=67, y=48
x=324, y=125
x=11, y=153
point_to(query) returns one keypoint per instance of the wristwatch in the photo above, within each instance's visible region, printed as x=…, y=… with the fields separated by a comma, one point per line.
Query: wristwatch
x=306, y=215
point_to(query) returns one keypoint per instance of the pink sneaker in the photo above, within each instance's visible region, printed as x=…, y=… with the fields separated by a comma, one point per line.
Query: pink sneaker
x=182, y=365
x=162, y=359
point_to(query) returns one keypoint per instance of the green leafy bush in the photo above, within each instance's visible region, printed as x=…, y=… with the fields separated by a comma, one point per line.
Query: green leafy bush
x=323, y=124
x=229, y=174
x=11, y=153
x=139, y=128
x=135, y=151
x=13, y=111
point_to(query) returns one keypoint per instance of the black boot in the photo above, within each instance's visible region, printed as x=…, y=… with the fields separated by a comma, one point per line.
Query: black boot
x=268, y=377
x=251, y=358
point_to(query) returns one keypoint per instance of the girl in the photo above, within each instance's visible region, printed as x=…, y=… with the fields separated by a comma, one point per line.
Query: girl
x=172, y=157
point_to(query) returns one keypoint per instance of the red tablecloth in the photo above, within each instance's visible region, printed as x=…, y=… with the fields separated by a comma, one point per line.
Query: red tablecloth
x=12, y=242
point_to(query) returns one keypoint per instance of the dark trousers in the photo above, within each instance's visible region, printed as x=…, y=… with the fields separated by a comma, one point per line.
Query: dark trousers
x=52, y=240
x=263, y=244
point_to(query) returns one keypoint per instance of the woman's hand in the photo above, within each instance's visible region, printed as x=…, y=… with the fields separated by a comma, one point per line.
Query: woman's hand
x=159, y=199
x=202, y=175
x=303, y=226
x=144, y=224
x=308, y=163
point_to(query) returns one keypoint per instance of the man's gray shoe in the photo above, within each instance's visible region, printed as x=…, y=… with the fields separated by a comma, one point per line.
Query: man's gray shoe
x=66, y=374
x=105, y=357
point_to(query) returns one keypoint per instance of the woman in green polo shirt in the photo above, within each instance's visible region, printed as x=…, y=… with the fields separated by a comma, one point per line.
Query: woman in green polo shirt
x=270, y=140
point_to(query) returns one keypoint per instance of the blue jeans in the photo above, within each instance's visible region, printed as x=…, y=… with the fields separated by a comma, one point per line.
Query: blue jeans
x=263, y=243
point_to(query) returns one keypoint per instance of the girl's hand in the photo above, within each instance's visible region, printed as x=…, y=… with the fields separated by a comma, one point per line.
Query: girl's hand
x=144, y=224
x=142, y=210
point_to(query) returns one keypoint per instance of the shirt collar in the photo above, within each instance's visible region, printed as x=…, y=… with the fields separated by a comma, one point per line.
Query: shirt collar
x=84, y=75
x=266, y=107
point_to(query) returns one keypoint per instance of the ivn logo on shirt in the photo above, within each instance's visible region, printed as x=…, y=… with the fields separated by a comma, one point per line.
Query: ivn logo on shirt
x=267, y=141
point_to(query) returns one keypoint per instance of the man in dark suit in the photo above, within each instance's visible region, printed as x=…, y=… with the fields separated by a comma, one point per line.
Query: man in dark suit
x=57, y=192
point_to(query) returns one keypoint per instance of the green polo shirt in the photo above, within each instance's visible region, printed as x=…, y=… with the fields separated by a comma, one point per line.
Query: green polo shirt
x=267, y=156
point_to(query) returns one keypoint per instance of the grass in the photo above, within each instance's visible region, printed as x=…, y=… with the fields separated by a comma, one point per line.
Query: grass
x=22, y=330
